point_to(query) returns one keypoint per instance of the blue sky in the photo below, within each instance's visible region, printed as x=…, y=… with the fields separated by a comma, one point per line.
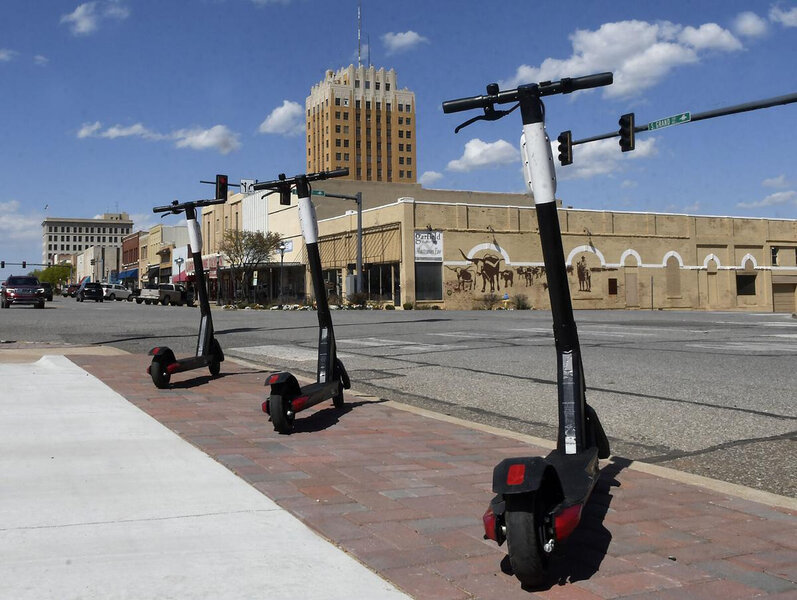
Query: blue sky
x=125, y=104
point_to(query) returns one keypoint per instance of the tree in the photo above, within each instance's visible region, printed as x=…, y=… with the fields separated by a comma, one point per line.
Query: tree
x=53, y=275
x=246, y=250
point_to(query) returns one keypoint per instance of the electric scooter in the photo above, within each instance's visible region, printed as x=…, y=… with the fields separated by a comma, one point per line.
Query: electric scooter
x=287, y=397
x=539, y=500
x=208, y=351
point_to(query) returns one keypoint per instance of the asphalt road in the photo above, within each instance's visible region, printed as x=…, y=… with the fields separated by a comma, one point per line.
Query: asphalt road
x=709, y=393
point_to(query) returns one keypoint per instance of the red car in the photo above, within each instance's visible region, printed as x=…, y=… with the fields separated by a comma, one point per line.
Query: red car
x=22, y=290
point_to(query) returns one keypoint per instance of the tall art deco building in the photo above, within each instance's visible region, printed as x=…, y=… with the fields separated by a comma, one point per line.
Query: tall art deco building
x=358, y=118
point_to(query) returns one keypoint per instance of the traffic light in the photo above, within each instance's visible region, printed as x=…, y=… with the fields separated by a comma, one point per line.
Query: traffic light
x=2, y=264
x=24, y=264
x=565, y=148
x=221, y=187
x=627, y=132
x=285, y=191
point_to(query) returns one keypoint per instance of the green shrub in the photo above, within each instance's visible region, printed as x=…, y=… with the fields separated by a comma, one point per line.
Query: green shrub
x=358, y=299
x=487, y=302
x=521, y=302
x=408, y=306
x=389, y=307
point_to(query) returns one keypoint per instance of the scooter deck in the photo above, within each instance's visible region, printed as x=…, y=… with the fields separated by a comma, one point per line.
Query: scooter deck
x=577, y=473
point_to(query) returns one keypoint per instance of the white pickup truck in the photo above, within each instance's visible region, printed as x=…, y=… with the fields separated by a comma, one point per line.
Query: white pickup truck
x=165, y=293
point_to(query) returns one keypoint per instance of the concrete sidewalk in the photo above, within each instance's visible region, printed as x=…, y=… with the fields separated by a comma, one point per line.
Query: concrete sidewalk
x=99, y=500
x=403, y=492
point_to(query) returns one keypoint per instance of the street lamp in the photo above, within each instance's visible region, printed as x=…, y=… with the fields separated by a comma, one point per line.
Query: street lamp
x=179, y=260
x=282, y=262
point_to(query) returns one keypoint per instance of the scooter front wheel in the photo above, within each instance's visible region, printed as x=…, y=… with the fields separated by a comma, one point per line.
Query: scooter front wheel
x=337, y=399
x=524, y=535
x=160, y=376
x=278, y=409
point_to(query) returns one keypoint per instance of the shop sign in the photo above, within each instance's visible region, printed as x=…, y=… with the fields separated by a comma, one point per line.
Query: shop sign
x=429, y=246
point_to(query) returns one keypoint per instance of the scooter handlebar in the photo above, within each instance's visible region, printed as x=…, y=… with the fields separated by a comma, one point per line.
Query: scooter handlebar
x=283, y=181
x=566, y=85
x=177, y=207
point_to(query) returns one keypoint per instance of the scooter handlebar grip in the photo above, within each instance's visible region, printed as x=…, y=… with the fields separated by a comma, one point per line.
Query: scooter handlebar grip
x=589, y=81
x=460, y=104
x=158, y=209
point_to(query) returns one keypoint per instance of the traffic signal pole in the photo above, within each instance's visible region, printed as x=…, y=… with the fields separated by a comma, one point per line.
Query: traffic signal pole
x=710, y=114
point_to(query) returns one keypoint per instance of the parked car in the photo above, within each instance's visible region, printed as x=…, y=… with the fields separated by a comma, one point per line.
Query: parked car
x=114, y=291
x=22, y=290
x=48, y=290
x=166, y=293
x=70, y=290
x=89, y=291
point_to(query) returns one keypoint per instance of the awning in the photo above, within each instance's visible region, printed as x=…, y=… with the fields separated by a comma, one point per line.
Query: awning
x=129, y=274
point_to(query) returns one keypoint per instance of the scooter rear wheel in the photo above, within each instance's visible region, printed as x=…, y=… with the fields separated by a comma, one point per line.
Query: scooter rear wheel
x=278, y=409
x=160, y=376
x=524, y=540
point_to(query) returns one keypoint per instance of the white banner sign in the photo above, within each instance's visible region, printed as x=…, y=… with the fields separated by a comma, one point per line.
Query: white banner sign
x=429, y=246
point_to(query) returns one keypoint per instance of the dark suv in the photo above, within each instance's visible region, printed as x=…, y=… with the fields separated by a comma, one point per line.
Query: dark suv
x=90, y=291
x=22, y=290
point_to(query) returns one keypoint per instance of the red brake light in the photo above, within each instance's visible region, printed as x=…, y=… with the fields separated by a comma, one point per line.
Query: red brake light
x=489, y=525
x=299, y=403
x=516, y=474
x=566, y=521
x=273, y=379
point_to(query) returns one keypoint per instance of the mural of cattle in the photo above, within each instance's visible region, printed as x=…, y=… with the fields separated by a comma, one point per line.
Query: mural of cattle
x=509, y=278
x=489, y=268
x=465, y=279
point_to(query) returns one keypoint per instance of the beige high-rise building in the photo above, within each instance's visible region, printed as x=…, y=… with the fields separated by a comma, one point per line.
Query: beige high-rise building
x=358, y=118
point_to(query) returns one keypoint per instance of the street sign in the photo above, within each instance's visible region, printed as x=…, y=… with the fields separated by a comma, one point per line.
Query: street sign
x=312, y=192
x=247, y=186
x=673, y=120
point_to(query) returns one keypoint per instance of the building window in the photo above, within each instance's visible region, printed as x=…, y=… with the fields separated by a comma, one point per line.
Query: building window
x=401, y=107
x=356, y=104
x=401, y=120
x=377, y=85
x=612, y=286
x=345, y=102
x=409, y=147
x=356, y=83
x=428, y=281
x=337, y=155
x=387, y=105
x=409, y=174
x=401, y=147
x=408, y=108
x=367, y=104
x=367, y=85
x=387, y=86
x=409, y=121
x=346, y=156
x=409, y=160
x=745, y=285
x=378, y=105
x=345, y=143
x=359, y=173
x=346, y=116
x=337, y=142
x=401, y=160
x=337, y=101
x=409, y=134
x=401, y=173
x=337, y=128
x=337, y=114
x=774, y=256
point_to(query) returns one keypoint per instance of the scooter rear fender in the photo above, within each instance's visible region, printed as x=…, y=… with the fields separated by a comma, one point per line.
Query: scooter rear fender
x=284, y=384
x=523, y=474
x=163, y=354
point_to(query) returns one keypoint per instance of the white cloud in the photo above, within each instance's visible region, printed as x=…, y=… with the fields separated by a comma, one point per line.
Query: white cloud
x=400, y=42
x=41, y=60
x=640, y=54
x=218, y=137
x=429, y=177
x=628, y=184
x=776, y=199
x=603, y=157
x=287, y=119
x=85, y=19
x=7, y=55
x=17, y=227
x=787, y=18
x=144, y=221
x=776, y=182
x=749, y=24
x=482, y=155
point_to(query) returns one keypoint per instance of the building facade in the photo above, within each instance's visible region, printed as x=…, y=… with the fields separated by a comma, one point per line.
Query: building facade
x=71, y=236
x=155, y=252
x=470, y=250
x=357, y=118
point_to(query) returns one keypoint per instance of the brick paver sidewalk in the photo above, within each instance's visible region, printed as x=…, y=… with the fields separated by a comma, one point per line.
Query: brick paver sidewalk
x=404, y=494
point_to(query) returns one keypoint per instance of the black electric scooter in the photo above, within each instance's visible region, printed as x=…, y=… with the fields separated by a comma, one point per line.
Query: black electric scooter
x=539, y=500
x=287, y=397
x=208, y=350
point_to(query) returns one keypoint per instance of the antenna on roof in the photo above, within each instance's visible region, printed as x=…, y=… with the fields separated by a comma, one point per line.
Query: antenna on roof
x=368, y=46
x=359, y=29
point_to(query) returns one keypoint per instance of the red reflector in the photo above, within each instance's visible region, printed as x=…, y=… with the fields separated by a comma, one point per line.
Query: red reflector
x=516, y=474
x=154, y=351
x=273, y=379
x=566, y=521
x=299, y=403
x=172, y=367
x=264, y=406
x=489, y=524
x=148, y=370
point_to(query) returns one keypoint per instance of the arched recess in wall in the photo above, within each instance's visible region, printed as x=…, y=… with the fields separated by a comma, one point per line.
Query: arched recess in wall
x=578, y=249
x=630, y=261
x=673, y=271
x=712, y=264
